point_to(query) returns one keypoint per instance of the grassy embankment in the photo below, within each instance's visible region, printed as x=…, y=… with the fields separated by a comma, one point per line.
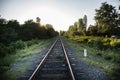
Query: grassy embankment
x=102, y=52
x=19, y=58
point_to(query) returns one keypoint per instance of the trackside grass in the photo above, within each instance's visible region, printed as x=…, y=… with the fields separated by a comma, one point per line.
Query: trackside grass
x=102, y=52
x=20, y=58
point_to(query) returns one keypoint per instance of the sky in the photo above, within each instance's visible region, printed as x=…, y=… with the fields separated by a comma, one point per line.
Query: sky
x=60, y=13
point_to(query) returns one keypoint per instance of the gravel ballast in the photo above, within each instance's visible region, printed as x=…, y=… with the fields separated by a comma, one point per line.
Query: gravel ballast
x=82, y=70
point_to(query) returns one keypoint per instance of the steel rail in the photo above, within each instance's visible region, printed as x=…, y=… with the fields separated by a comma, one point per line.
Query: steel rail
x=68, y=61
x=32, y=77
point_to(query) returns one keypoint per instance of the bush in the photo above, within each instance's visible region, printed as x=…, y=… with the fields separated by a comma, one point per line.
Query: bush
x=107, y=48
x=18, y=45
x=108, y=56
x=99, y=54
x=3, y=69
x=11, y=49
x=99, y=44
x=29, y=43
x=116, y=58
x=3, y=50
x=116, y=73
x=115, y=43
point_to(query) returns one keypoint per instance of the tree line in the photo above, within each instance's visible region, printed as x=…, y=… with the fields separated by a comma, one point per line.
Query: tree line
x=107, y=23
x=14, y=36
x=11, y=30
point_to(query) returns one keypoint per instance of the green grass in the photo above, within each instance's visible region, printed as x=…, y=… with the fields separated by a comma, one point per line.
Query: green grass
x=59, y=57
x=20, y=57
x=94, y=58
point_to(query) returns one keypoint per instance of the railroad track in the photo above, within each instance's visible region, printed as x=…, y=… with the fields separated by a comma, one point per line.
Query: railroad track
x=55, y=65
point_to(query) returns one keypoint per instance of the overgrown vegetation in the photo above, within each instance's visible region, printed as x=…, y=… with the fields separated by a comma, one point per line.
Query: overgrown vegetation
x=104, y=56
x=107, y=23
x=21, y=58
x=101, y=39
x=15, y=37
x=103, y=45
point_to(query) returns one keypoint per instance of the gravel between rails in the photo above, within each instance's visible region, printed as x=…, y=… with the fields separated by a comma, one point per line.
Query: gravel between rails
x=81, y=70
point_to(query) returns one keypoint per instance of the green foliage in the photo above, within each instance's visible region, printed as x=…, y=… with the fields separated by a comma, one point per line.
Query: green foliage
x=37, y=19
x=32, y=48
x=11, y=30
x=115, y=43
x=13, y=47
x=13, y=35
x=3, y=50
x=107, y=19
x=101, y=53
x=102, y=44
x=108, y=56
x=35, y=30
x=79, y=27
x=18, y=45
x=85, y=20
x=92, y=30
x=64, y=33
x=7, y=35
x=50, y=31
x=107, y=23
x=5, y=63
x=115, y=73
x=59, y=57
x=7, y=51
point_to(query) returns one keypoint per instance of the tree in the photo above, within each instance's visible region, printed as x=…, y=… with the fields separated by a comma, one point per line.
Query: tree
x=3, y=22
x=85, y=21
x=50, y=31
x=92, y=30
x=11, y=31
x=29, y=22
x=62, y=33
x=8, y=31
x=75, y=26
x=81, y=27
x=14, y=24
x=106, y=19
x=38, y=20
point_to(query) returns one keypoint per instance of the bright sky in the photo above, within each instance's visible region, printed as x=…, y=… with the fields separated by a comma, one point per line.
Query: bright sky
x=60, y=13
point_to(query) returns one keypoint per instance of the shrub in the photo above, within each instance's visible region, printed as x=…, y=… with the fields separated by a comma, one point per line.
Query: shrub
x=116, y=73
x=115, y=43
x=29, y=43
x=3, y=50
x=11, y=50
x=99, y=44
x=108, y=56
x=116, y=58
x=18, y=45
x=99, y=54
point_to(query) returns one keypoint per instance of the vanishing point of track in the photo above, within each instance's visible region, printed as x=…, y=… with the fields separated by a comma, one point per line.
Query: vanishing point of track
x=55, y=65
